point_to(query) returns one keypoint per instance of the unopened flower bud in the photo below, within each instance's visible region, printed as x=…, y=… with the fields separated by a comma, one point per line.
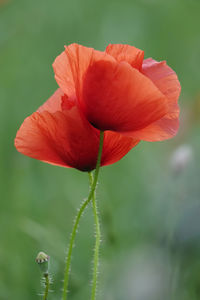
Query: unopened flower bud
x=43, y=261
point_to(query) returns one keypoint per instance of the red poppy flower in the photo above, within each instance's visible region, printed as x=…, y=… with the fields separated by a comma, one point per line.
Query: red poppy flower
x=58, y=134
x=117, y=90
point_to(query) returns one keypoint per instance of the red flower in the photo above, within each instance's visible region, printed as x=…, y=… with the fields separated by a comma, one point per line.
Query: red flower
x=117, y=91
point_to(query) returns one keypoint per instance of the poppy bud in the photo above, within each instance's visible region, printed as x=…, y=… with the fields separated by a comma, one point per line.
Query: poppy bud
x=43, y=261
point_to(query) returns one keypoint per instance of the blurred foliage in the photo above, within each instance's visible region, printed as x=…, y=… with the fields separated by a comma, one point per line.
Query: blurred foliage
x=150, y=214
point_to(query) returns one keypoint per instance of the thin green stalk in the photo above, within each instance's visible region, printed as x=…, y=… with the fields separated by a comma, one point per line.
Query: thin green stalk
x=97, y=244
x=77, y=219
x=46, y=277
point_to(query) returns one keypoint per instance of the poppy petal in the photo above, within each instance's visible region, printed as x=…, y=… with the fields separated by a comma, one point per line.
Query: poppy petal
x=167, y=82
x=118, y=97
x=60, y=138
x=164, y=78
x=57, y=102
x=160, y=130
x=53, y=104
x=70, y=66
x=115, y=147
x=127, y=53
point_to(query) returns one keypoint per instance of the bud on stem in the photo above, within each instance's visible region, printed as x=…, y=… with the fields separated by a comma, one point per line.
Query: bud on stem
x=43, y=261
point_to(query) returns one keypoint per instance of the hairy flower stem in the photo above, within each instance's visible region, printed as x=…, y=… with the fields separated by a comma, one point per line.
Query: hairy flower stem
x=46, y=277
x=77, y=219
x=97, y=243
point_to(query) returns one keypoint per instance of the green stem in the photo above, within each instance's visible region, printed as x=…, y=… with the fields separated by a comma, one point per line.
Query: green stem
x=97, y=244
x=77, y=219
x=46, y=276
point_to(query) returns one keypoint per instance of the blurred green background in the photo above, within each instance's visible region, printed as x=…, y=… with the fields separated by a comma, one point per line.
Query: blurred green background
x=149, y=201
